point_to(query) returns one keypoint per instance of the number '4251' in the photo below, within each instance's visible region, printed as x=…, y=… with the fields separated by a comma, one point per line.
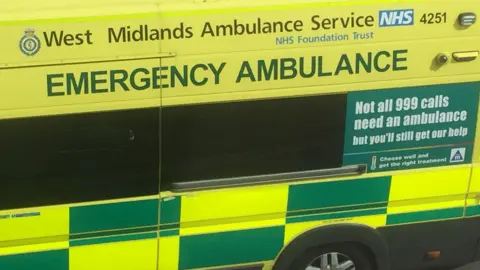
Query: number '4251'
x=434, y=18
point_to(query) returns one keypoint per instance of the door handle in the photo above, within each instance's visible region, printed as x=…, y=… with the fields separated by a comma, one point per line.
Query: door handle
x=465, y=56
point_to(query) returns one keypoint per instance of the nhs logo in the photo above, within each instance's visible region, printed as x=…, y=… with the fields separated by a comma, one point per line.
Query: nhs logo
x=399, y=17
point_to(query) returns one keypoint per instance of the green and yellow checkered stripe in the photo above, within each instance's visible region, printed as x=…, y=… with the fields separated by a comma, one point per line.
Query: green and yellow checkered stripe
x=203, y=230
x=113, y=235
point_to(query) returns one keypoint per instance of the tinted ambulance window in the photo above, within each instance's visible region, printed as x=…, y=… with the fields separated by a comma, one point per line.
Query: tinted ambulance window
x=201, y=142
x=79, y=158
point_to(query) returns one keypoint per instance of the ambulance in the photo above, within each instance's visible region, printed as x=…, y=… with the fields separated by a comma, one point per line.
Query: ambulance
x=239, y=134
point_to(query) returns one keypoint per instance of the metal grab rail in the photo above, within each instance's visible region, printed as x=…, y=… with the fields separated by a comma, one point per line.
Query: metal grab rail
x=268, y=179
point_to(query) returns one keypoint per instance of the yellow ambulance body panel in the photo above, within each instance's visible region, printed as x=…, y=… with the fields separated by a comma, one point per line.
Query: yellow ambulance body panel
x=227, y=134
